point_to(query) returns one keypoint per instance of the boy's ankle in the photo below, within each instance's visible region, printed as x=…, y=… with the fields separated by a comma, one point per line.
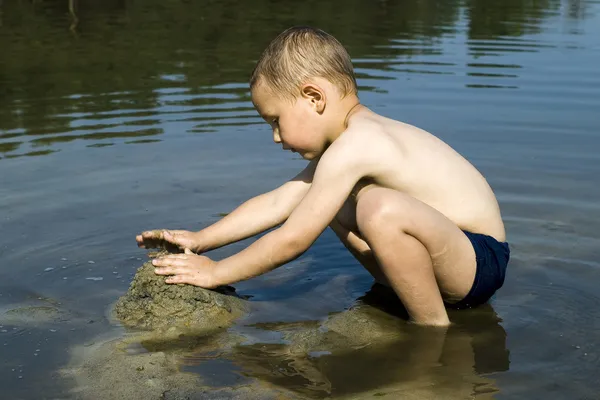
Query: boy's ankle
x=440, y=322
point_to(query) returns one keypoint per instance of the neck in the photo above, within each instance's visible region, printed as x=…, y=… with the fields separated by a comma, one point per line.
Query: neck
x=349, y=112
x=346, y=108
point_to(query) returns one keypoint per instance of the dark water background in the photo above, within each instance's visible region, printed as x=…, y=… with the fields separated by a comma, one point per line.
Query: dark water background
x=118, y=116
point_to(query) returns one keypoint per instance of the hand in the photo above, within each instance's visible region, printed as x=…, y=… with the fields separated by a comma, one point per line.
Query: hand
x=167, y=239
x=187, y=268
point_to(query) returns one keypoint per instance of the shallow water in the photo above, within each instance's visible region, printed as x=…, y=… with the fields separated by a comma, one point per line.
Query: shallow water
x=121, y=116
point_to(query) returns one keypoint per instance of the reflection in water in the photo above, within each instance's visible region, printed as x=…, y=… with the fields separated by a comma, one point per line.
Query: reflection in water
x=509, y=18
x=364, y=351
x=578, y=9
x=87, y=85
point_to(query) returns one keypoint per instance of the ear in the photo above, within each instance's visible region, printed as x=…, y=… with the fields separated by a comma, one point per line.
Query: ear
x=316, y=95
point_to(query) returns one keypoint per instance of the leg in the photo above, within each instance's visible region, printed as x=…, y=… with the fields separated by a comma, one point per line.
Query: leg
x=360, y=250
x=344, y=226
x=423, y=254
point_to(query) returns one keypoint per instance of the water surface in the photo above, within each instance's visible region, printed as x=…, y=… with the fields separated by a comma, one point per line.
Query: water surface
x=120, y=116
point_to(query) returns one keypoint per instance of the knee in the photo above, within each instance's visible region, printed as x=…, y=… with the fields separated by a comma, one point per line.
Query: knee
x=381, y=209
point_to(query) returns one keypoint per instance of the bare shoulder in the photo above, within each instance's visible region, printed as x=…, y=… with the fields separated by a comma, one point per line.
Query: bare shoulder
x=385, y=137
x=369, y=143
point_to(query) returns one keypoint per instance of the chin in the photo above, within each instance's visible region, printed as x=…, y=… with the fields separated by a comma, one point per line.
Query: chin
x=308, y=156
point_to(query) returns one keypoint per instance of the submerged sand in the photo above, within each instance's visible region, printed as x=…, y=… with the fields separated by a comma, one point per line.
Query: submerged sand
x=163, y=322
x=175, y=329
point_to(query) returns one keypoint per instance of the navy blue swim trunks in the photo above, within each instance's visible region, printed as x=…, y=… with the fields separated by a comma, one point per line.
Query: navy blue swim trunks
x=492, y=259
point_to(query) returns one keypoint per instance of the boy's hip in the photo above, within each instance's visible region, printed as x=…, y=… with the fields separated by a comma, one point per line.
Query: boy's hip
x=492, y=259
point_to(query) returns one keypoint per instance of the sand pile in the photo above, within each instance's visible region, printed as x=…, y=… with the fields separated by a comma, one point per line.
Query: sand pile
x=151, y=304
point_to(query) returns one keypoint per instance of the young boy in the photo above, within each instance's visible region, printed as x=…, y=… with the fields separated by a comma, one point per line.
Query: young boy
x=418, y=216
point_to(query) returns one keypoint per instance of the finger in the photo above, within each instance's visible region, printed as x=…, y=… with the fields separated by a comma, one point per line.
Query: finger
x=139, y=240
x=171, y=270
x=178, y=279
x=182, y=279
x=168, y=262
x=155, y=234
x=172, y=257
x=176, y=237
x=173, y=238
x=188, y=251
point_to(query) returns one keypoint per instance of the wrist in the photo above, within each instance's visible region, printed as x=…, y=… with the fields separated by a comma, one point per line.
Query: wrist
x=216, y=276
x=199, y=243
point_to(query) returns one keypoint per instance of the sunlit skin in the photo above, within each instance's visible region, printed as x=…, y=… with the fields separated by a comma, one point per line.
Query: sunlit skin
x=396, y=196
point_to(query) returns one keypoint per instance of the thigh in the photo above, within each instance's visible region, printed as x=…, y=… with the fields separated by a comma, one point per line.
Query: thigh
x=452, y=254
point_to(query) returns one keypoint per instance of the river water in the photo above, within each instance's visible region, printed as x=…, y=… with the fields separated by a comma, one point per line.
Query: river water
x=120, y=116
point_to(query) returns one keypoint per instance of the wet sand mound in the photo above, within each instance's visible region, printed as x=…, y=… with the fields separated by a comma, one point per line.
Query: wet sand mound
x=151, y=304
x=173, y=319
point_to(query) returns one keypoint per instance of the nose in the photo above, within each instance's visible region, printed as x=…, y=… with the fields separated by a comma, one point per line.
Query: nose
x=276, y=137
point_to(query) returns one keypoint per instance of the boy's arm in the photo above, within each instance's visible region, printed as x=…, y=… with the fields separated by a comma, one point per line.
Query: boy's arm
x=258, y=214
x=338, y=171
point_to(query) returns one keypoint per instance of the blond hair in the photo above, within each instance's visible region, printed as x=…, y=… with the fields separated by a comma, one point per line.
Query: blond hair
x=300, y=53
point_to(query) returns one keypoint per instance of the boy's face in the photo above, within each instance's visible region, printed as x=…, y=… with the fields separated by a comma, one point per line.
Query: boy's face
x=298, y=126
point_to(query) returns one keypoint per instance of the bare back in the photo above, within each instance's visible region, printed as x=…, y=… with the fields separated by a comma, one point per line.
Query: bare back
x=415, y=162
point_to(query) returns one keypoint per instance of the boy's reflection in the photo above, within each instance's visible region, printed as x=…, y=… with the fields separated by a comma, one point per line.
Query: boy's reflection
x=444, y=362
